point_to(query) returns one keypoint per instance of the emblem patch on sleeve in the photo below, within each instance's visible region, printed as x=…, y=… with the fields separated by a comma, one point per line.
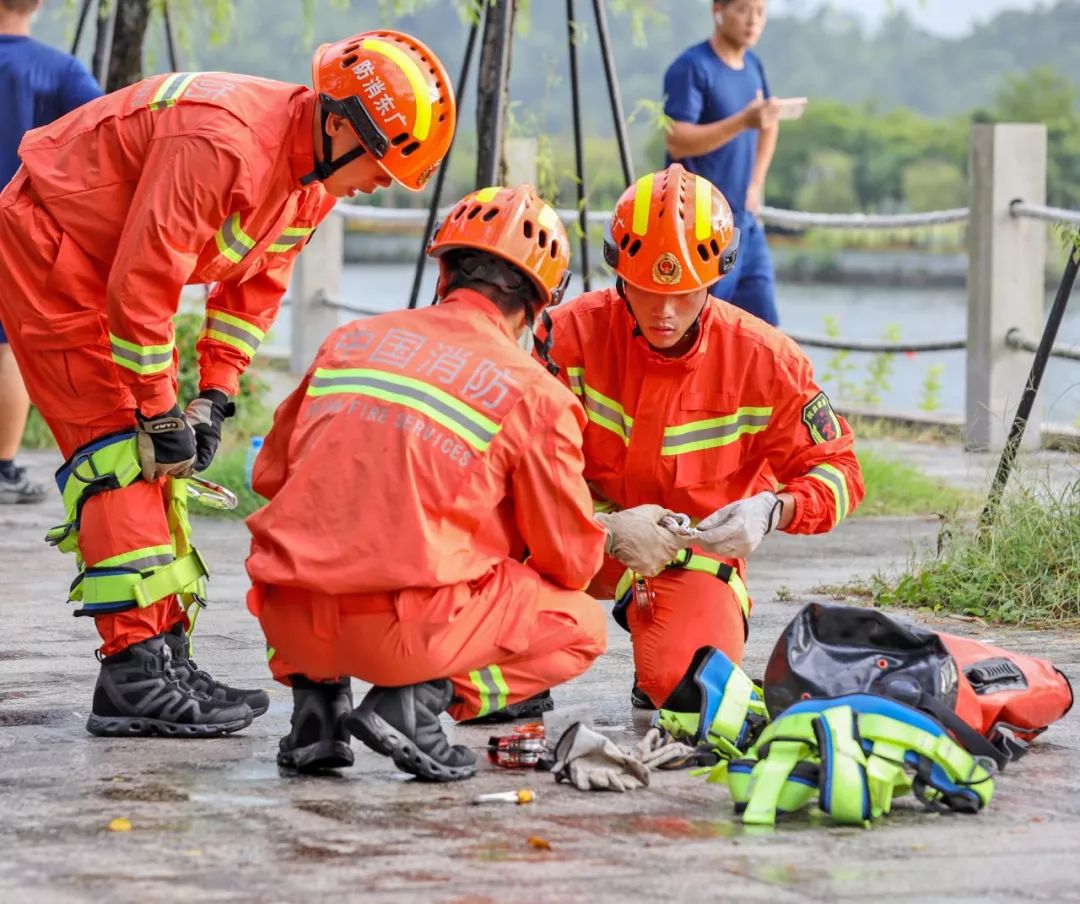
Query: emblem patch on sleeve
x=820, y=419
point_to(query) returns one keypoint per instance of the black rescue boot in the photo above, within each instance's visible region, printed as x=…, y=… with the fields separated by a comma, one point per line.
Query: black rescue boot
x=403, y=724
x=187, y=672
x=533, y=708
x=137, y=694
x=318, y=740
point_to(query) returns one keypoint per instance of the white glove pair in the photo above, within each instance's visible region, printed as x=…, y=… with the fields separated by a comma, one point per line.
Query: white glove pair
x=736, y=530
x=592, y=762
x=637, y=539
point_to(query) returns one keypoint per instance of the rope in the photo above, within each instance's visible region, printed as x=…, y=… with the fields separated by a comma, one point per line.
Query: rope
x=1015, y=339
x=1020, y=208
x=871, y=345
x=791, y=219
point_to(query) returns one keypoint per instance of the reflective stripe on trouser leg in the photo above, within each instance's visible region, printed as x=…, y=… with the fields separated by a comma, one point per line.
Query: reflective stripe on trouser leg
x=490, y=688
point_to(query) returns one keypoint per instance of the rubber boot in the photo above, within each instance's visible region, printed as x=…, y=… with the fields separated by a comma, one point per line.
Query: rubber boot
x=187, y=672
x=137, y=695
x=318, y=741
x=533, y=708
x=403, y=724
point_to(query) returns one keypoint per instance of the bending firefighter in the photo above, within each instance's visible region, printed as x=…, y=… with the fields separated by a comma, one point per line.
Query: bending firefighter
x=698, y=407
x=429, y=529
x=187, y=178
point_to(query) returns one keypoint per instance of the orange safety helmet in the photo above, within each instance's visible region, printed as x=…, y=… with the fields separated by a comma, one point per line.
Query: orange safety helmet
x=671, y=232
x=513, y=224
x=397, y=96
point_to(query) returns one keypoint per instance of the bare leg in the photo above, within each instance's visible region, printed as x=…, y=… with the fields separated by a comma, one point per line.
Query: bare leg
x=14, y=407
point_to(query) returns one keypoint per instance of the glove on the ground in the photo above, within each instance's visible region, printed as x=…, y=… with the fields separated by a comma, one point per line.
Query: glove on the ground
x=206, y=414
x=736, y=530
x=659, y=750
x=592, y=762
x=637, y=540
x=166, y=444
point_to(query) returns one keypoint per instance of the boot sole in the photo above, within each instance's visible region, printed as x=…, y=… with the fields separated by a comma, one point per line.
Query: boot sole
x=134, y=727
x=320, y=757
x=379, y=735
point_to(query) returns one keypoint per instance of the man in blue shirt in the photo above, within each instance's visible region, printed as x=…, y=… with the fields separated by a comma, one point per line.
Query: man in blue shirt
x=37, y=85
x=724, y=128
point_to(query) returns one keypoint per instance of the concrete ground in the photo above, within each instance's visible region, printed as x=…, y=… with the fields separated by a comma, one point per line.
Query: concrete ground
x=215, y=821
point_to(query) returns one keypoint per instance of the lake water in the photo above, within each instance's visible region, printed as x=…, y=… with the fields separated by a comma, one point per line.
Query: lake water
x=862, y=313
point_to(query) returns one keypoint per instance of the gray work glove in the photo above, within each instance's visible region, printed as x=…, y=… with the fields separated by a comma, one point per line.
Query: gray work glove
x=636, y=538
x=206, y=413
x=659, y=750
x=166, y=444
x=736, y=530
x=592, y=762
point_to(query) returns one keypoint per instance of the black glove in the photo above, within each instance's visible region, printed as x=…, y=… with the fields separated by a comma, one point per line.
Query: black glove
x=166, y=444
x=205, y=414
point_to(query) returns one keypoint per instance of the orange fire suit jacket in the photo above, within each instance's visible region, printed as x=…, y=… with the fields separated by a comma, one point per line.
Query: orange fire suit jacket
x=188, y=178
x=422, y=449
x=734, y=416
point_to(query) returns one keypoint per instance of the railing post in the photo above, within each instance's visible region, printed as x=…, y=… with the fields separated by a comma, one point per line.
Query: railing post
x=316, y=277
x=1006, y=276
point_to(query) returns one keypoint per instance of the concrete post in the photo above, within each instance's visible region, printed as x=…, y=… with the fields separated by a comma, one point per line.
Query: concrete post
x=520, y=155
x=1006, y=276
x=316, y=278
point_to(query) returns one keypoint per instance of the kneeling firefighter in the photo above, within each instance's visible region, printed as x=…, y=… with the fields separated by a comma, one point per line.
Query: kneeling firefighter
x=181, y=179
x=429, y=529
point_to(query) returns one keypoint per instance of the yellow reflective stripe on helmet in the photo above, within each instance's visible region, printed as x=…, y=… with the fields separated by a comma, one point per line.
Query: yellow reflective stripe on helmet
x=142, y=359
x=468, y=423
x=833, y=478
x=491, y=687
x=232, y=241
x=231, y=330
x=290, y=238
x=716, y=431
x=547, y=217
x=416, y=81
x=703, y=191
x=170, y=90
x=642, y=202
x=484, y=195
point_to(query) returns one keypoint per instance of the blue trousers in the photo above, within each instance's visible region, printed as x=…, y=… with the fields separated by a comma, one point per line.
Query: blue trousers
x=751, y=285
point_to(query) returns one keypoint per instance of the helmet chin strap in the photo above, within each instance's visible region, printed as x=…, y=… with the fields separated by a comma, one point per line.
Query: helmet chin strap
x=329, y=164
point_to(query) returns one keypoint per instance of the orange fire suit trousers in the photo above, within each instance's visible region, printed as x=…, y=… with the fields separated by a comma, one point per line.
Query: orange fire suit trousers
x=499, y=640
x=61, y=344
x=689, y=609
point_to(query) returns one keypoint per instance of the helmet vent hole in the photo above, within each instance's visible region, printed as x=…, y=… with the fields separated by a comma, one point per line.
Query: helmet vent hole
x=409, y=148
x=490, y=215
x=474, y=212
x=660, y=213
x=458, y=213
x=352, y=48
x=625, y=241
x=442, y=117
x=634, y=248
x=348, y=62
x=528, y=228
x=399, y=138
x=703, y=253
x=442, y=100
x=715, y=248
x=541, y=238
x=554, y=249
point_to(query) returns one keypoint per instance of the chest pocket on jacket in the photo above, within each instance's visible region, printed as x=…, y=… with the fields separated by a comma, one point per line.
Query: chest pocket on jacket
x=711, y=436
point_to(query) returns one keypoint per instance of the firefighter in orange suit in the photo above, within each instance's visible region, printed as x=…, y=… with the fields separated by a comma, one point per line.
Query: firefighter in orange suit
x=429, y=529
x=187, y=178
x=700, y=408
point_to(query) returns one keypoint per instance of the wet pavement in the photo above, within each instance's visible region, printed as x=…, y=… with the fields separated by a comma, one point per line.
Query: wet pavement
x=215, y=821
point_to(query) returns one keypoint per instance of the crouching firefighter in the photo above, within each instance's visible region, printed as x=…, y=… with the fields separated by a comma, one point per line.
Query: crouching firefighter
x=429, y=529
x=183, y=178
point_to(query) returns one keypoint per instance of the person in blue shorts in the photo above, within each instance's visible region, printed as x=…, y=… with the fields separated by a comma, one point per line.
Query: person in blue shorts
x=37, y=85
x=724, y=128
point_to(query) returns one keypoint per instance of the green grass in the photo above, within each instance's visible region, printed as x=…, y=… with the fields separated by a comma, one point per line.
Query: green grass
x=896, y=488
x=1025, y=569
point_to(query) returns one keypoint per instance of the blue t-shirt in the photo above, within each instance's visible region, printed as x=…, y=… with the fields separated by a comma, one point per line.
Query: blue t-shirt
x=37, y=85
x=699, y=87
